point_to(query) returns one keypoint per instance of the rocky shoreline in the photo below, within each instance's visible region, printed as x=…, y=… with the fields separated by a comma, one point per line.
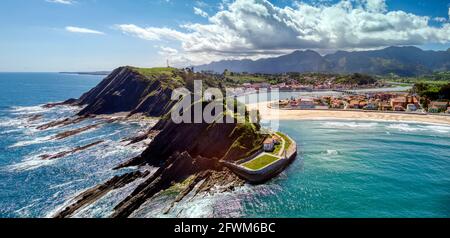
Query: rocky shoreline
x=187, y=153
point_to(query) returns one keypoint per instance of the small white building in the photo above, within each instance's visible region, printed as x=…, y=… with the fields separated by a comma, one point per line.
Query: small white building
x=269, y=145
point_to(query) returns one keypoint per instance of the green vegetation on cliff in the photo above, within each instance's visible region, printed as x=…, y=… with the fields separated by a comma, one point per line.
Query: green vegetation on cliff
x=169, y=77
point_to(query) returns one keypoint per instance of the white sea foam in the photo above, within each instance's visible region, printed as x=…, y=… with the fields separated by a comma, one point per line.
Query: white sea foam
x=39, y=109
x=417, y=127
x=332, y=152
x=436, y=128
x=30, y=164
x=66, y=184
x=67, y=201
x=99, y=137
x=404, y=127
x=29, y=110
x=25, y=211
x=198, y=207
x=38, y=140
x=10, y=131
x=103, y=207
x=353, y=125
x=12, y=122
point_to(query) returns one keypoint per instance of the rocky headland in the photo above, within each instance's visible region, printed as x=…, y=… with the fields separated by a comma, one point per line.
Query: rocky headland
x=190, y=154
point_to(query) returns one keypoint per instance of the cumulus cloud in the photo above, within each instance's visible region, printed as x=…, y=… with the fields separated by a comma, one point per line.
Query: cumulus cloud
x=257, y=28
x=75, y=29
x=167, y=51
x=67, y=2
x=440, y=19
x=200, y=12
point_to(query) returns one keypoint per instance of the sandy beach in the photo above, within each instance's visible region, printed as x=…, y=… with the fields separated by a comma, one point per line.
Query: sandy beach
x=271, y=114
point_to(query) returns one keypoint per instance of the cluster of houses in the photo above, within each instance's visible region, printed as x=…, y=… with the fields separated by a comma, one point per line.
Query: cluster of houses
x=377, y=101
x=294, y=85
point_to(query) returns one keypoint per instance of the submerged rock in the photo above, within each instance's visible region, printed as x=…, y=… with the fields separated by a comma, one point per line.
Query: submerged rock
x=63, y=122
x=70, y=133
x=69, y=152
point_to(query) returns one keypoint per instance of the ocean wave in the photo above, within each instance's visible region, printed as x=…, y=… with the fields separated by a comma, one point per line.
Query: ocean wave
x=198, y=207
x=66, y=184
x=18, y=110
x=28, y=164
x=112, y=148
x=332, y=152
x=38, y=140
x=103, y=207
x=417, y=128
x=101, y=136
x=353, y=125
x=12, y=122
x=40, y=109
x=10, y=131
x=26, y=211
x=404, y=127
x=436, y=128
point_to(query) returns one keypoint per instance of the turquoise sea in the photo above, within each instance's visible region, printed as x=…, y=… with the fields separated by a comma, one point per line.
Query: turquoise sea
x=344, y=168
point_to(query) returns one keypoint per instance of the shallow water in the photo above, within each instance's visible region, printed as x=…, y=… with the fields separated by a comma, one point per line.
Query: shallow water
x=355, y=169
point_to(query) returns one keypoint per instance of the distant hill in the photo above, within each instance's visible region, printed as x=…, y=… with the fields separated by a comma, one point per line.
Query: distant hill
x=402, y=61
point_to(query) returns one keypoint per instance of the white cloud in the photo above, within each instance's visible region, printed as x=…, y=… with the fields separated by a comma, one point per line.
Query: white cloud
x=373, y=5
x=167, y=51
x=200, y=12
x=257, y=28
x=67, y=2
x=152, y=33
x=440, y=19
x=75, y=29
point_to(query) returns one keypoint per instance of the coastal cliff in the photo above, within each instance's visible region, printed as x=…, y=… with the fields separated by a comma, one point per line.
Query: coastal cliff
x=191, y=149
x=184, y=153
x=132, y=90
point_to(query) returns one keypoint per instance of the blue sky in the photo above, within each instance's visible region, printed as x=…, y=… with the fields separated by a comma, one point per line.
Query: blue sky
x=86, y=35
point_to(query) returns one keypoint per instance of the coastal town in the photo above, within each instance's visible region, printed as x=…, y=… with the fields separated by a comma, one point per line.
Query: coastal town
x=381, y=101
x=345, y=92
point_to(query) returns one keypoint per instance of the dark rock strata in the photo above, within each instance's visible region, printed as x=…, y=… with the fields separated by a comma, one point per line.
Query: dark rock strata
x=63, y=122
x=70, y=152
x=91, y=195
x=180, y=151
x=126, y=90
x=186, y=149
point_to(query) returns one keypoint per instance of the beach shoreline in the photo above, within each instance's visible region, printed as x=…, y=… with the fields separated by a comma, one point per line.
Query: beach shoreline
x=267, y=113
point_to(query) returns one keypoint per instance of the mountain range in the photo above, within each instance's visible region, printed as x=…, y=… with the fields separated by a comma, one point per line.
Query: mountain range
x=402, y=61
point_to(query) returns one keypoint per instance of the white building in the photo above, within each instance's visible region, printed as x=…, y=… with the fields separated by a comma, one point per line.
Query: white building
x=269, y=145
